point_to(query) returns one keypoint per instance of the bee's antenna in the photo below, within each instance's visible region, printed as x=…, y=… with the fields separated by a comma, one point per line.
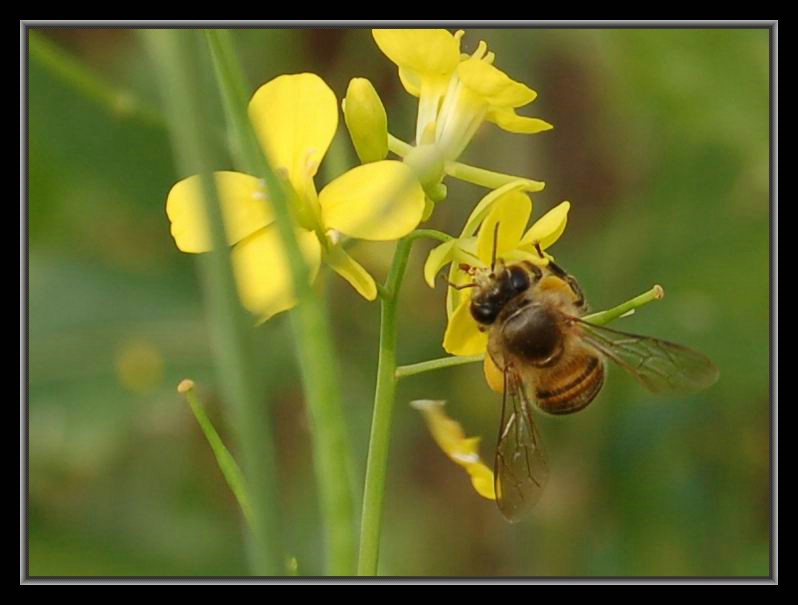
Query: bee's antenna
x=495, y=246
x=539, y=250
x=458, y=286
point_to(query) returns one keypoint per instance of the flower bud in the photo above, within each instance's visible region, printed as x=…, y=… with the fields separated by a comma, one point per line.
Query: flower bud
x=366, y=120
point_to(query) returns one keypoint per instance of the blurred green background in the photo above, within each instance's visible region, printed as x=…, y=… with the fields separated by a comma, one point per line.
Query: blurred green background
x=661, y=143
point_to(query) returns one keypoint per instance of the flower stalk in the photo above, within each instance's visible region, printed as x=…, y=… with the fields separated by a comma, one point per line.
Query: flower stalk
x=332, y=455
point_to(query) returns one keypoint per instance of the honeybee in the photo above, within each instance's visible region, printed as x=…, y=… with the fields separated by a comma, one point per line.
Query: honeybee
x=553, y=359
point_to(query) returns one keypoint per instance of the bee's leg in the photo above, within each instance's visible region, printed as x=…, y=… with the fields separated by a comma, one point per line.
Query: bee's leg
x=533, y=269
x=570, y=280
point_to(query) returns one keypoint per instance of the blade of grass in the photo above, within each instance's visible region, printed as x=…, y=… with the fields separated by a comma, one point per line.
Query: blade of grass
x=332, y=456
x=174, y=54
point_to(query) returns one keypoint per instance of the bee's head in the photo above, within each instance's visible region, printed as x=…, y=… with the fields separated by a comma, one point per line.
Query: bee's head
x=495, y=287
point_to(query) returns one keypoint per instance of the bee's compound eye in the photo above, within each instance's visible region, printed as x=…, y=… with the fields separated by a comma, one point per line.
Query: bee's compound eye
x=519, y=279
x=483, y=312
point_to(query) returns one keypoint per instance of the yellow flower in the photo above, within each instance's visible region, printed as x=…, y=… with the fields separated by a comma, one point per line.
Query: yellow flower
x=456, y=92
x=510, y=207
x=295, y=118
x=449, y=436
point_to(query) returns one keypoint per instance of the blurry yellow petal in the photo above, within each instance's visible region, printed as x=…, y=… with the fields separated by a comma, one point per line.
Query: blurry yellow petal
x=548, y=228
x=511, y=212
x=366, y=121
x=506, y=119
x=482, y=479
x=295, y=117
x=377, y=201
x=481, y=210
x=410, y=80
x=493, y=375
x=463, y=336
x=262, y=272
x=435, y=52
x=244, y=209
x=449, y=436
x=438, y=257
x=493, y=85
x=348, y=268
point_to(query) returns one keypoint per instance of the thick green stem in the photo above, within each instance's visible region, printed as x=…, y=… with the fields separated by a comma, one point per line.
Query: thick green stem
x=332, y=456
x=174, y=54
x=384, y=397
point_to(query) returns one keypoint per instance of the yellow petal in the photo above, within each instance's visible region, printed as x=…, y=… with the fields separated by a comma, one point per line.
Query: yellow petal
x=463, y=336
x=435, y=52
x=493, y=85
x=352, y=271
x=493, y=375
x=377, y=201
x=242, y=200
x=548, y=228
x=449, y=436
x=482, y=479
x=295, y=117
x=511, y=212
x=438, y=257
x=366, y=121
x=506, y=119
x=262, y=272
x=481, y=210
x=410, y=80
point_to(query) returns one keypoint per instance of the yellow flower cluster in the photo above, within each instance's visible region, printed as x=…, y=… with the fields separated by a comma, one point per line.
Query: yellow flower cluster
x=295, y=118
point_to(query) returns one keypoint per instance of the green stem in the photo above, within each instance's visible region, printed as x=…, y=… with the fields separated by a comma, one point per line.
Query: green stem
x=605, y=317
x=435, y=364
x=227, y=464
x=70, y=70
x=488, y=178
x=332, y=456
x=398, y=146
x=384, y=398
x=174, y=55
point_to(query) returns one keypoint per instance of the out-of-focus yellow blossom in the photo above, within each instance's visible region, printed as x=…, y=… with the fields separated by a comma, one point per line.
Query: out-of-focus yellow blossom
x=449, y=436
x=456, y=93
x=510, y=207
x=295, y=118
x=366, y=120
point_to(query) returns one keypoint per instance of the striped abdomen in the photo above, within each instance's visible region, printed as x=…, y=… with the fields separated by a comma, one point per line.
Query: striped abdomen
x=570, y=384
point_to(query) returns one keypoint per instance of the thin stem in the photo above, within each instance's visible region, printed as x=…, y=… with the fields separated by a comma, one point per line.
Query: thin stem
x=174, y=55
x=488, y=178
x=398, y=146
x=605, y=317
x=435, y=364
x=384, y=397
x=332, y=456
x=63, y=65
x=227, y=464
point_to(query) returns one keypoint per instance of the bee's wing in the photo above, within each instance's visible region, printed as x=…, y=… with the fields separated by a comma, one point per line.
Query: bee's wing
x=520, y=469
x=658, y=365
